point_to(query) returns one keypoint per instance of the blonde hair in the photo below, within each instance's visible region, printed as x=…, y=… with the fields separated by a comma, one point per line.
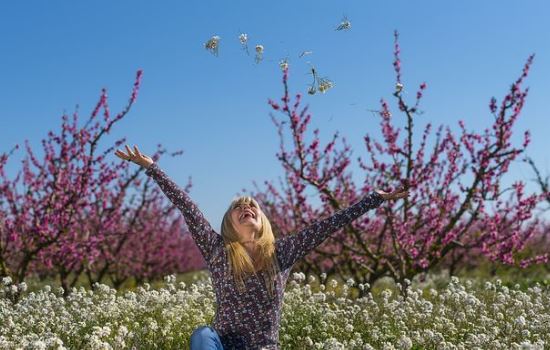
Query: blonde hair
x=240, y=261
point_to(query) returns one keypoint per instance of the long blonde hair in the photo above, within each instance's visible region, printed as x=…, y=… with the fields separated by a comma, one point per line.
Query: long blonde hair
x=240, y=261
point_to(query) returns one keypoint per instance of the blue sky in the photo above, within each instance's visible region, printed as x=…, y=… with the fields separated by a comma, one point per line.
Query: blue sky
x=58, y=54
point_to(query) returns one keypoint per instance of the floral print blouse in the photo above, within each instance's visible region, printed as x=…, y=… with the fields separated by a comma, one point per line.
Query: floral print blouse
x=251, y=320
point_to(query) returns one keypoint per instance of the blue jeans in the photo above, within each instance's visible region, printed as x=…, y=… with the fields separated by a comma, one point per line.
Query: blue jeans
x=205, y=338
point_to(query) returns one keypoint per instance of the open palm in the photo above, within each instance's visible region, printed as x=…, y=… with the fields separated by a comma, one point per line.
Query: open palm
x=135, y=156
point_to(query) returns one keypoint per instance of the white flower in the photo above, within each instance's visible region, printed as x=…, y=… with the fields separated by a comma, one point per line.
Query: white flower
x=520, y=321
x=213, y=44
x=386, y=293
x=170, y=279
x=344, y=25
x=259, y=53
x=405, y=343
x=284, y=65
x=38, y=345
x=22, y=287
x=325, y=84
x=299, y=276
x=319, y=297
x=350, y=282
x=6, y=280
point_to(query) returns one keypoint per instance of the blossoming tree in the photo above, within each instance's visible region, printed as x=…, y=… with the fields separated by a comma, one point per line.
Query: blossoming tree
x=72, y=217
x=457, y=201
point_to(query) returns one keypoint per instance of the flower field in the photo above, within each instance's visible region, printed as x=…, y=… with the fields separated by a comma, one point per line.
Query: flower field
x=316, y=315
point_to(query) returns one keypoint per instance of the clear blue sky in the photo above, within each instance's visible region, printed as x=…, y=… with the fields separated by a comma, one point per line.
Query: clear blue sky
x=57, y=54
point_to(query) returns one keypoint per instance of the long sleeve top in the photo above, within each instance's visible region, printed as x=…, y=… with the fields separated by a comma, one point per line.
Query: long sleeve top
x=251, y=320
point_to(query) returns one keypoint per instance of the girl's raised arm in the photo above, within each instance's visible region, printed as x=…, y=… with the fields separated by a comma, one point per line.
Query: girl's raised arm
x=203, y=234
x=293, y=247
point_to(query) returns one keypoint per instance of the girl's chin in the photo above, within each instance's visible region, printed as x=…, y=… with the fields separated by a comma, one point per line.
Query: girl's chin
x=248, y=222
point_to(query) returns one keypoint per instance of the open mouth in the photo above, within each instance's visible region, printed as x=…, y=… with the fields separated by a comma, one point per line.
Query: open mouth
x=247, y=214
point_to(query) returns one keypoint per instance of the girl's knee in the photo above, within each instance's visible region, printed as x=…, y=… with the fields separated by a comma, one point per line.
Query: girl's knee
x=202, y=335
x=200, y=332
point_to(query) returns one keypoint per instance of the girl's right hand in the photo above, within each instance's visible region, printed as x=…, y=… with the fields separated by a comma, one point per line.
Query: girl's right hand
x=135, y=156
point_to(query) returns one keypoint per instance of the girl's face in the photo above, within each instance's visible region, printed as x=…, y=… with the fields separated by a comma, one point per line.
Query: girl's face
x=246, y=220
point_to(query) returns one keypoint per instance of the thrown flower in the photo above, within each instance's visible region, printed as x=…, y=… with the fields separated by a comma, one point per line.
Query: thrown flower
x=259, y=53
x=243, y=38
x=213, y=44
x=325, y=84
x=305, y=53
x=283, y=64
x=319, y=84
x=344, y=25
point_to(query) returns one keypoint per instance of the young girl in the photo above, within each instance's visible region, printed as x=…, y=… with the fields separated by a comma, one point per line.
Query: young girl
x=249, y=267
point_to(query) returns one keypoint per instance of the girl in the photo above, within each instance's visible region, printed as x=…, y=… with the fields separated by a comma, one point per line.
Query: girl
x=248, y=266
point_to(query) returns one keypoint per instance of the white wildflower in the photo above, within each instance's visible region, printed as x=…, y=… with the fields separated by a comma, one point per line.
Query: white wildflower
x=22, y=287
x=319, y=297
x=345, y=24
x=404, y=343
x=243, y=39
x=520, y=321
x=299, y=276
x=213, y=44
x=259, y=53
x=283, y=64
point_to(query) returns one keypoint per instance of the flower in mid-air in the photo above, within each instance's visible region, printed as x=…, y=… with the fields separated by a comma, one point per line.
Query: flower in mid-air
x=319, y=84
x=325, y=84
x=243, y=38
x=259, y=53
x=213, y=44
x=344, y=25
x=283, y=64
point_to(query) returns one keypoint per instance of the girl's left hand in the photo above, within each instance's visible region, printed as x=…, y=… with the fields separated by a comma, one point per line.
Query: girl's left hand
x=402, y=193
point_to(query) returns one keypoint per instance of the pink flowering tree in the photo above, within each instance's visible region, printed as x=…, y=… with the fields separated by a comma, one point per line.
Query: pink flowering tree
x=152, y=243
x=538, y=245
x=457, y=202
x=72, y=217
